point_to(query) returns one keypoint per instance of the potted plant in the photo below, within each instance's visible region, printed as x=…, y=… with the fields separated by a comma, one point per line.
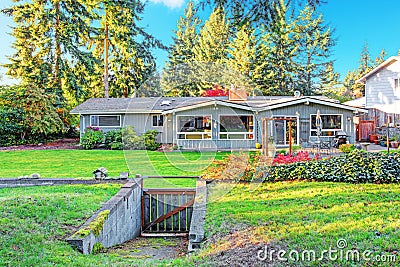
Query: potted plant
x=394, y=141
x=383, y=141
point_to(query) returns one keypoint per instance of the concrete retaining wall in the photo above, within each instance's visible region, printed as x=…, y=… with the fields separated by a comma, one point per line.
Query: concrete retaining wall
x=15, y=182
x=122, y=223
x=196, y=232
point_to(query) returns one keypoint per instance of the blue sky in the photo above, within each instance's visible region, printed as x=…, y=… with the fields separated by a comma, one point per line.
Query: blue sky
x=356, y=22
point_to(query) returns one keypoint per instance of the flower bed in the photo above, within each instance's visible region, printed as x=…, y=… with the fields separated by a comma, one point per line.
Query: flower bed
x=354, y=167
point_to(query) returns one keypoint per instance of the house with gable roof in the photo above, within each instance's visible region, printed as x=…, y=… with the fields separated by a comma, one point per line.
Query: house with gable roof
x=224, y=122
x=382, y=97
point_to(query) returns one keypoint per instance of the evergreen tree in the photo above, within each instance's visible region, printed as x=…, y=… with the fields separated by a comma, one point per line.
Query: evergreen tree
x=49, y=42
x=257, y=12
x=330, y=85
x=181, y=55
x=242, y=55
x=381, y=57
x=276, y=56
x=127, y=60
x=212, y=47
x=315, y=41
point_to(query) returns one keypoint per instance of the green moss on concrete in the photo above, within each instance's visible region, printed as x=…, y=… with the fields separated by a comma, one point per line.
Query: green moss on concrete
x=95, y=226
x=98, y=247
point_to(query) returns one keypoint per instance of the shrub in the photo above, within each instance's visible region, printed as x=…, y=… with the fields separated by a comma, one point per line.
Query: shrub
x=354, y=167
x=150, y=140
x=346, y=148
x=131, y=140
x=92, y=138
x=113, y=139
x=11, y=126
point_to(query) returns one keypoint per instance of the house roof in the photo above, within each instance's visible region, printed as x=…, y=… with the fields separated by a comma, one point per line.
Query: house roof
x=171, y=104
x=387, y=62
x=358, y=102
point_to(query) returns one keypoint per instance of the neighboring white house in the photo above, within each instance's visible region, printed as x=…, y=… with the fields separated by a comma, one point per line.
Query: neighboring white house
x=382, y=86
x=382, y=98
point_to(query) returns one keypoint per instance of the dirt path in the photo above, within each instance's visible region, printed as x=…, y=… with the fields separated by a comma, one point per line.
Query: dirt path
x=152, y=248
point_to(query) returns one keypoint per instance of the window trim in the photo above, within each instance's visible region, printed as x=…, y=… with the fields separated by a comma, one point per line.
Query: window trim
x=327, y=130
x=158, y=120
x=120, y=121
x=297, y=128
x=244, y=133
x=396, y=88
x=202, y=133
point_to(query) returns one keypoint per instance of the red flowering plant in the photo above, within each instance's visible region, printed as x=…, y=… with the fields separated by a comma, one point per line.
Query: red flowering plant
x=217, y=90
x=297, y=157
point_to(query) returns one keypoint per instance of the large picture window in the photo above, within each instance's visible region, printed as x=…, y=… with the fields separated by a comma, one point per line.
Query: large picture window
x=239, y=127
x=330, y=124
x=194, y=127
x=105, y=120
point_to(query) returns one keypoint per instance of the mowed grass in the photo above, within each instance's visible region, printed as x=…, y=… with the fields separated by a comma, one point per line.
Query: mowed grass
x=82, y=163
x=304, y=216
x=293, y=216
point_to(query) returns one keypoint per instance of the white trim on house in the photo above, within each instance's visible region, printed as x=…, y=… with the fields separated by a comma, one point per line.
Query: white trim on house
x=228, y=133
x=297, y=128
x=208, y=103
x=194, y=133
x=316, y=101
x=116, y=115
x=378, y=68
x=327, y=130
x=116, y=112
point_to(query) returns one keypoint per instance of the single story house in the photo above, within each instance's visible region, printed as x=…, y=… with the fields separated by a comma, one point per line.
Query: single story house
x=231, y=122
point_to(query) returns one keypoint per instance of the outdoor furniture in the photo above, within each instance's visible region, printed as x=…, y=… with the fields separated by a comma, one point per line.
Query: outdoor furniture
x=340, y=139
x=365, y=146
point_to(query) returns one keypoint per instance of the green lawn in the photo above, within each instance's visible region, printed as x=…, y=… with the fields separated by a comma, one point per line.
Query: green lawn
x=240, y=220
x=302, y=216
x=81, y=163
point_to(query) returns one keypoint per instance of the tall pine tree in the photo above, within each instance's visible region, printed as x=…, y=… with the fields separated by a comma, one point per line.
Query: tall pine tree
x=276, y=56
x=211, y=50
x=242, y=56
x=315, y=41
x=177, y=76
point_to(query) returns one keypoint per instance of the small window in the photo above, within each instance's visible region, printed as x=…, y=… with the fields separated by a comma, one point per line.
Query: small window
x=397, y=85
x=158, y=120
x=105, y=121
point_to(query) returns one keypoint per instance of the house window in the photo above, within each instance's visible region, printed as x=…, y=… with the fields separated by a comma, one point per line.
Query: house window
x=397, y=85
x=330, y=124
x=239, y=127
x=194, y=127
x=105, y=120
x=158, y=120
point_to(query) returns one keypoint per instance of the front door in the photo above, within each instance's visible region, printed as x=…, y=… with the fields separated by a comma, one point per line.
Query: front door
x=282, y=131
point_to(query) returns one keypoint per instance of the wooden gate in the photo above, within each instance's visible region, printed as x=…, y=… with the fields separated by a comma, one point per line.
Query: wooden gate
x=167, y=210
x=364, y=129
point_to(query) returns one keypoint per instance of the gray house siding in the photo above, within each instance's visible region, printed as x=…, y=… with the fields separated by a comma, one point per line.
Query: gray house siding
x=303, y=112
x=191, y=138
x=214, y=111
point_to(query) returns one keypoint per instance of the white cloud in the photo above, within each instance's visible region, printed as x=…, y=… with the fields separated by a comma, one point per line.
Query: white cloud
x=170, y=3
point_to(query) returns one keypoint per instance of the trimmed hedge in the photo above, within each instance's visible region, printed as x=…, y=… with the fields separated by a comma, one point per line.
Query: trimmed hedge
x=357, y=166
x=354, y=167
